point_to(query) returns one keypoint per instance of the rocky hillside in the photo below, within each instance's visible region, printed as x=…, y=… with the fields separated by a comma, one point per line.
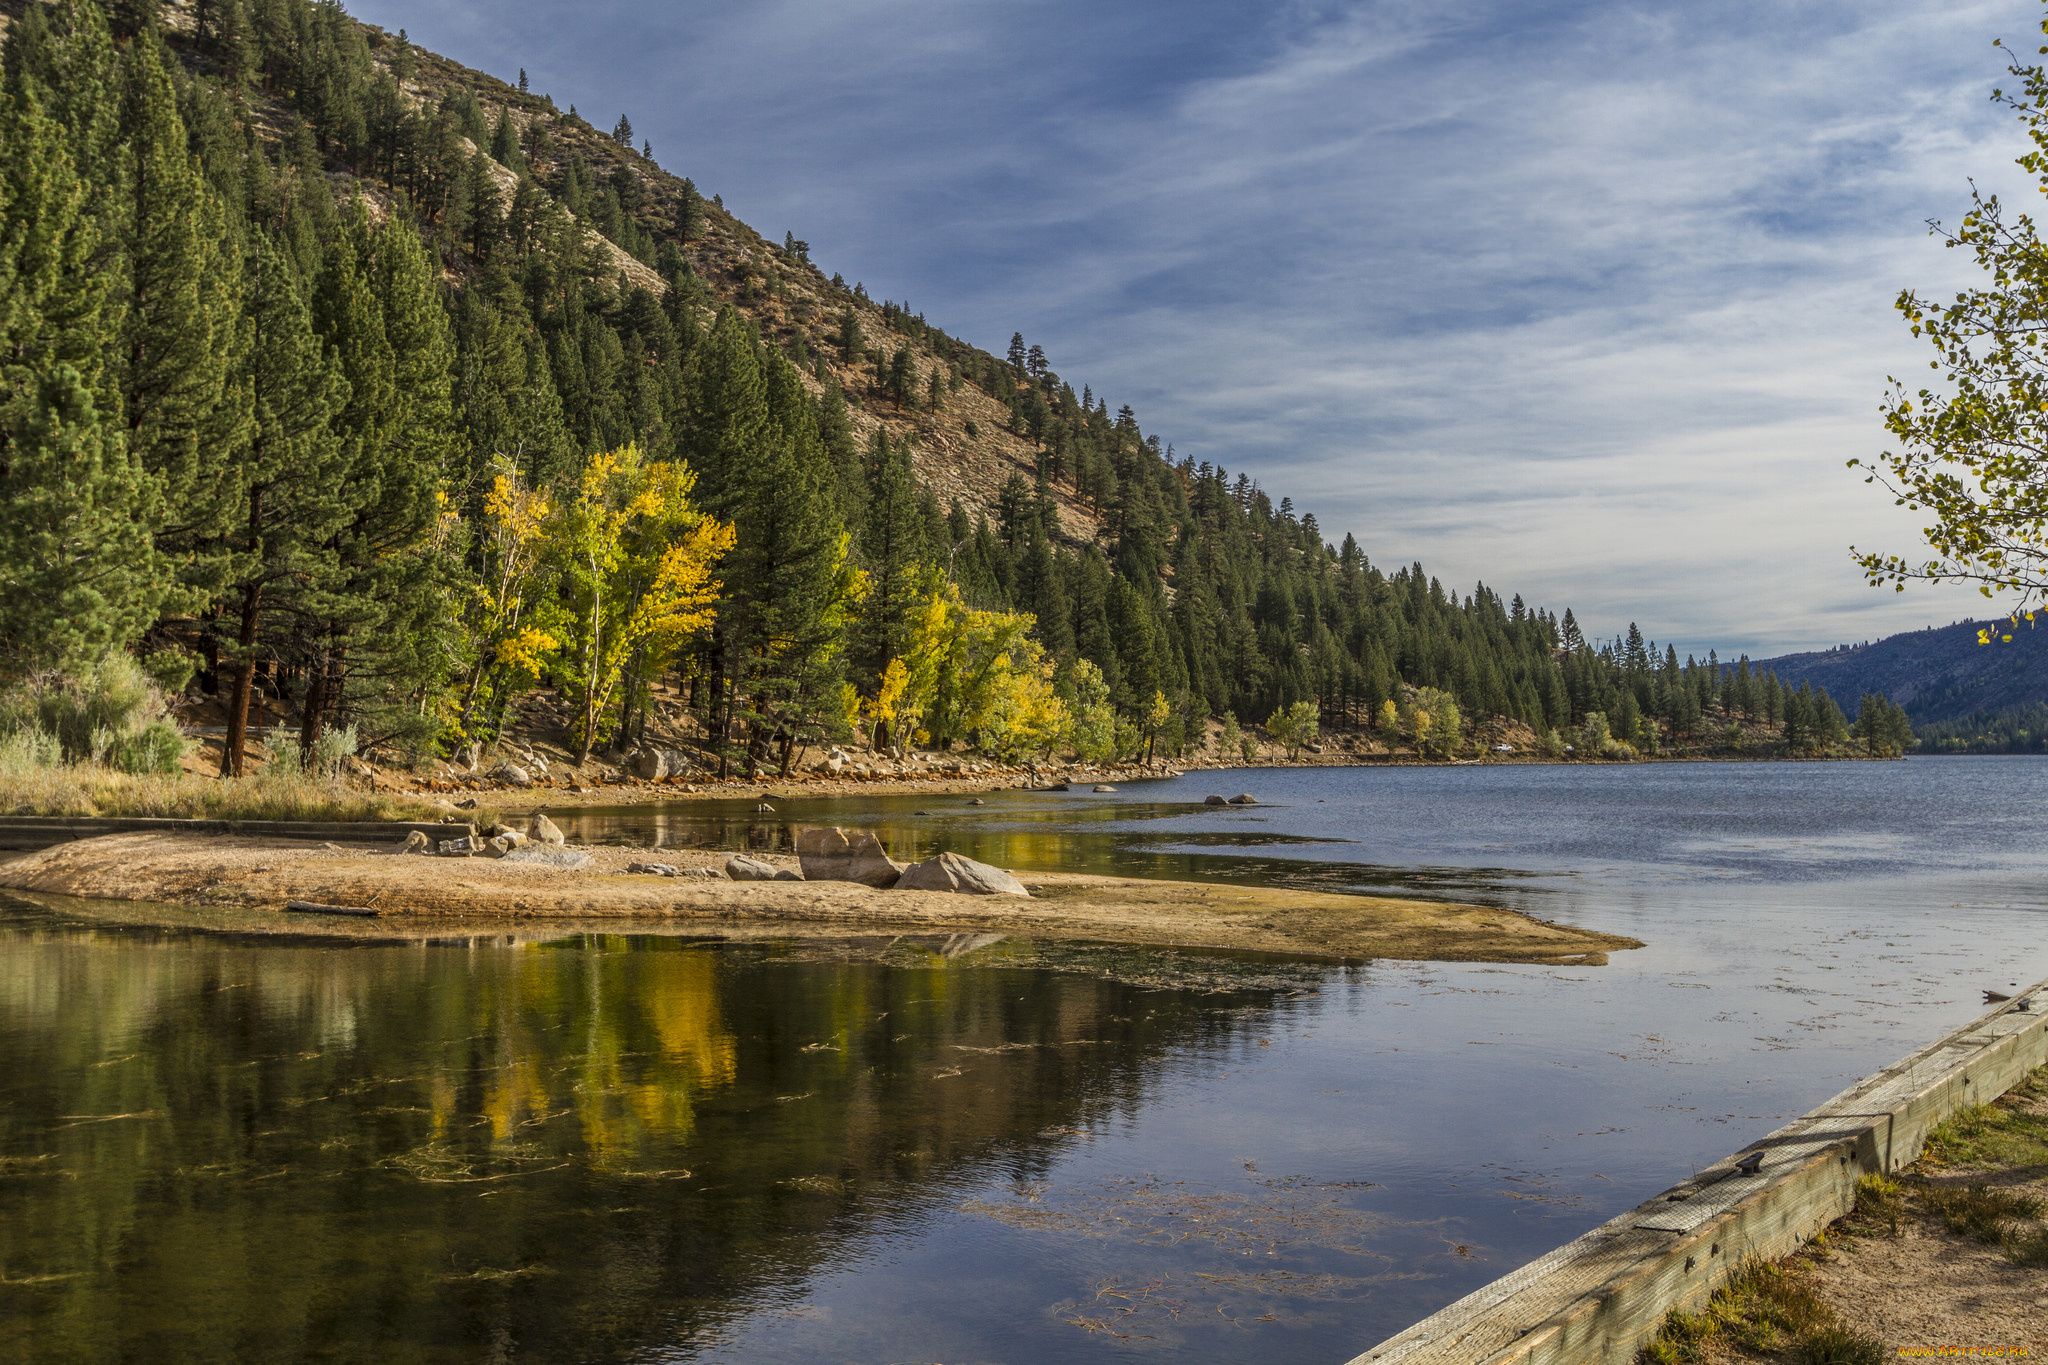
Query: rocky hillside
x=966, y=450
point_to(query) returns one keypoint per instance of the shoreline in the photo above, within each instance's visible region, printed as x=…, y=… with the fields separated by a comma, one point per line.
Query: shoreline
x=228, y=873
x=633, y=791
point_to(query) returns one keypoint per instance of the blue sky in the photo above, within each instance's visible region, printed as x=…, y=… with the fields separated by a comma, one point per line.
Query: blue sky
x=1591, y=301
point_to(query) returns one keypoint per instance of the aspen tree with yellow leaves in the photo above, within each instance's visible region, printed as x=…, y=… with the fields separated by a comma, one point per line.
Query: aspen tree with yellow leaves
x=635, y=560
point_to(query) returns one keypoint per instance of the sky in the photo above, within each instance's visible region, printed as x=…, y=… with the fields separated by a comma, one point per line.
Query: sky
x=1588, y=301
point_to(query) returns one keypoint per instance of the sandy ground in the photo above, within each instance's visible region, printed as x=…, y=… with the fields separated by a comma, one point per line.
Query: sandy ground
x=1933, y=1288
x=1929, y=1292
x=259, y=876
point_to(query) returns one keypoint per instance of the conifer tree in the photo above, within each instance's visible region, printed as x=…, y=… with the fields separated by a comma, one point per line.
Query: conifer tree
x=188, y=416
x=292, y=479
x=79, y=573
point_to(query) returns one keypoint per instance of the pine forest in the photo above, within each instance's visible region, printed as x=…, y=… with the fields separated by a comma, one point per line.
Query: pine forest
x=341, y=383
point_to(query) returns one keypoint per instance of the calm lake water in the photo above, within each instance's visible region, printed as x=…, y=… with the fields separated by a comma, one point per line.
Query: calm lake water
x=657, y=1147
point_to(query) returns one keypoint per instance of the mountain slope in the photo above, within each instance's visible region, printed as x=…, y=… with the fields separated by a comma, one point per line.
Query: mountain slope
x=1938, y=675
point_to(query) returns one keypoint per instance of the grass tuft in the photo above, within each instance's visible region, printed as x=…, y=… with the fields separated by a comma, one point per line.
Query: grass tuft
x=1764, y=1307
x=1841, y=1346
x=1981, y=1212
x=1880, y=1206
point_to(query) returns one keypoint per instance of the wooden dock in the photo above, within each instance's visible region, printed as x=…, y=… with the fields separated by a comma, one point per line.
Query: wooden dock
x=1598, y=1300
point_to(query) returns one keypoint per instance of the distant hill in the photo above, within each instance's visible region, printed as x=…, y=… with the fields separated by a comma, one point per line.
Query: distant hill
x=1941, y=676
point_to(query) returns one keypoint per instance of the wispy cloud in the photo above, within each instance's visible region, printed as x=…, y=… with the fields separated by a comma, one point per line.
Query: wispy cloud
x=1590, y=300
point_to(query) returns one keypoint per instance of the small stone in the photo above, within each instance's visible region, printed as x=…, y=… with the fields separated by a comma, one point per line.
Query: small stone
x=744, y=869
x=652, y=869
x=1104, y=787
x=976, y=801
x=1212, y=799
x=1244, y=799
x=466, y=803
x=965, y=876
x=545, y=830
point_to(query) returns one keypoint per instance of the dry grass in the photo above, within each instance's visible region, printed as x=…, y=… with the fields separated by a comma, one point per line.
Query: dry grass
x=89, y=790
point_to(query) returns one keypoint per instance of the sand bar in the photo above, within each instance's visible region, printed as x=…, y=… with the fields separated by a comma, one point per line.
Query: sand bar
x=262, y=875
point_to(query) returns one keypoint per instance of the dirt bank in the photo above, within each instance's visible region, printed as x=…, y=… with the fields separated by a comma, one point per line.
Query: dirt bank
x=261, y=875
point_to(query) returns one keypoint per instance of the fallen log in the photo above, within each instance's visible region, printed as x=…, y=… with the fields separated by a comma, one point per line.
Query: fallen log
x=315, y=908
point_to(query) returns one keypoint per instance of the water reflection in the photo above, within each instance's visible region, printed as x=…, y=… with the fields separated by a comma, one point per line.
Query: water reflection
x=1126, y=835
x=579, y=1149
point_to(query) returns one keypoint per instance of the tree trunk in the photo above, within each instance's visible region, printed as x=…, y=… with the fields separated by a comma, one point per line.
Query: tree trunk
x=315, y=706
x=245, y=677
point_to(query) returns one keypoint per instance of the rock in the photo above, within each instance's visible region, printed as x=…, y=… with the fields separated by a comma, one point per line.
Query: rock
x=951, y=872
x=544, y=830
x=1056, y=787
x=1104, y=787
x=838, y=855
x=466, y=803
x=652, y=869
x=785, y=874
x=460, y=848
x=763, y=808
x=702, y=874
x=651, y=764
x=512, y=774
x=976, y=801
x=1212, y=799
x=920, y=812
x=550, y=857
x=415, y=842
x=1244, y=799
x=501, y=844
x=744, y=869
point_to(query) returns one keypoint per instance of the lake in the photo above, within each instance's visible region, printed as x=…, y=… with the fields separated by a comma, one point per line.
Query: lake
x=666, y=1146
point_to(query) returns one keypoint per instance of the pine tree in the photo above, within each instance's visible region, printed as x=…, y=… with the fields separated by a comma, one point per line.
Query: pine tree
x=79, y=574
x=188, y=418
x=293, y=480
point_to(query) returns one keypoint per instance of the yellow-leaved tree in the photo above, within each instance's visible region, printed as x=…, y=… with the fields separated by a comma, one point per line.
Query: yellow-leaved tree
x=636, y=561
x=970, y=673
x=510, y=621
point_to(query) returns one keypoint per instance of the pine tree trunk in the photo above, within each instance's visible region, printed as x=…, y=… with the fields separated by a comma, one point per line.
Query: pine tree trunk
x=315, y=707
x=245, y=676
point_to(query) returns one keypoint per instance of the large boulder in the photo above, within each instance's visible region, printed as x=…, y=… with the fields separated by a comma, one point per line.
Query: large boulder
x=1212, y=799
x=652, y=764
x=511, y=774
x=840, y=855
x=951, y=872
x=741, y=868
x=544, y=830
x=1244, y=799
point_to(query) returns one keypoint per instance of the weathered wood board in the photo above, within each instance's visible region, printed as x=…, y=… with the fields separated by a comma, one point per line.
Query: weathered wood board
x=1599, y=1299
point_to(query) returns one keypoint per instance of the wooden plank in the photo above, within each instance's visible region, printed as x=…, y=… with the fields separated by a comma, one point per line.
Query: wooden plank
x=1601, y=1297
